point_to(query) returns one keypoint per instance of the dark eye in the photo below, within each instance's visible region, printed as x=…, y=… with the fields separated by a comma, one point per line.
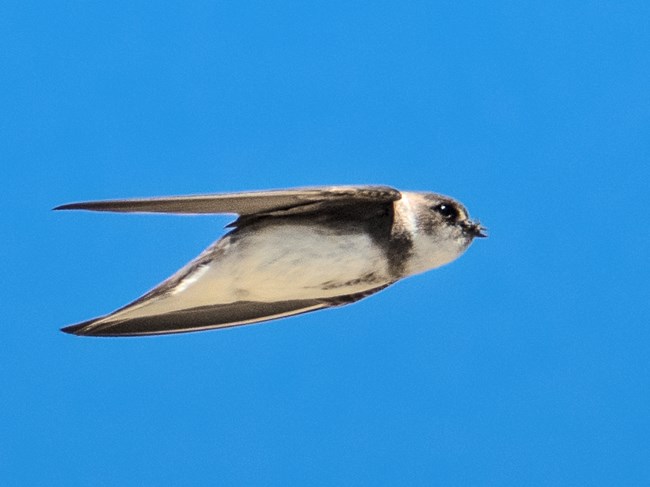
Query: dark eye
x=448, y=211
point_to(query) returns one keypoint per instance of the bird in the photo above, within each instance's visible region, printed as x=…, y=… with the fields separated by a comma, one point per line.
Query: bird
x=289, y=251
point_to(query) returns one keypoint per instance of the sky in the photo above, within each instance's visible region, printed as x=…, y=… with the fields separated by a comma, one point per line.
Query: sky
x=524, y=362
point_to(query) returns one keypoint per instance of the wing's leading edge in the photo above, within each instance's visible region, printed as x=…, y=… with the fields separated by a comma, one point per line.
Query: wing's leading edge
x=248, y=203
x=194, y=319
x=208, y=317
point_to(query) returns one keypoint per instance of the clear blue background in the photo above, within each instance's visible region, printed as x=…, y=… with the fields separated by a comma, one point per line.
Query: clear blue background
x=526, y=362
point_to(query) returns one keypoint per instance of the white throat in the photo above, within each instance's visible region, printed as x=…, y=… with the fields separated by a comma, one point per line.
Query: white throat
x=430, y=250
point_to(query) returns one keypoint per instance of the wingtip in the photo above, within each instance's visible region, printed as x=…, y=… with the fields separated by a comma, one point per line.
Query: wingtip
x=80, y=329
x=74, y=329
x=69, y=206
x=70, y=330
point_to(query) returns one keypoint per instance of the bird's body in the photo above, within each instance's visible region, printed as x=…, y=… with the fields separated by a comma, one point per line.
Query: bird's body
x=290, y=251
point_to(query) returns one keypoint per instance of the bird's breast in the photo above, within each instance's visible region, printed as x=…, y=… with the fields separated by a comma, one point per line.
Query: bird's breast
x=282, y=262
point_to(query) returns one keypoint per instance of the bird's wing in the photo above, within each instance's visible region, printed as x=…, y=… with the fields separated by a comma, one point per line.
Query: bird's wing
x=285, y=201
x=207, y=317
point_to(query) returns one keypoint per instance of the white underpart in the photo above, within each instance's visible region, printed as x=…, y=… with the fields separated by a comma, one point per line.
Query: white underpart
x=294, y=262
x=277, y=263
x=429, y=253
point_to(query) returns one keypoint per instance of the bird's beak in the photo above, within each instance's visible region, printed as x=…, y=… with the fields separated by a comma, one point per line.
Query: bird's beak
x=474, y=229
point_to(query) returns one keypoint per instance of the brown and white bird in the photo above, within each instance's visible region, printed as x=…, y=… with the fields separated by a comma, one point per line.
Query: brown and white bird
x=290, y=251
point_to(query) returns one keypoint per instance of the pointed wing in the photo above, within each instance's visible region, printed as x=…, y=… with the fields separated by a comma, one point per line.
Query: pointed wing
x=286, y=201
x=208, y=317
x=195, y=319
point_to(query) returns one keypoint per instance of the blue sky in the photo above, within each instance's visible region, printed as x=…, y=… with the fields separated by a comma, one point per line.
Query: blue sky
x=525, y=362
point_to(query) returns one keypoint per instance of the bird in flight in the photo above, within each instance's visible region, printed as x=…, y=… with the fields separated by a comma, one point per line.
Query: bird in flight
x=290, y=251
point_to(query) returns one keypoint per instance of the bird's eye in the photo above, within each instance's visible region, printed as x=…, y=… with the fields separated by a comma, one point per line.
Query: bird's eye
x=449, y=212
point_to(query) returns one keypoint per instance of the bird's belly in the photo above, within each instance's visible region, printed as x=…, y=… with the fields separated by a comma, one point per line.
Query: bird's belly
x=290, y=262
